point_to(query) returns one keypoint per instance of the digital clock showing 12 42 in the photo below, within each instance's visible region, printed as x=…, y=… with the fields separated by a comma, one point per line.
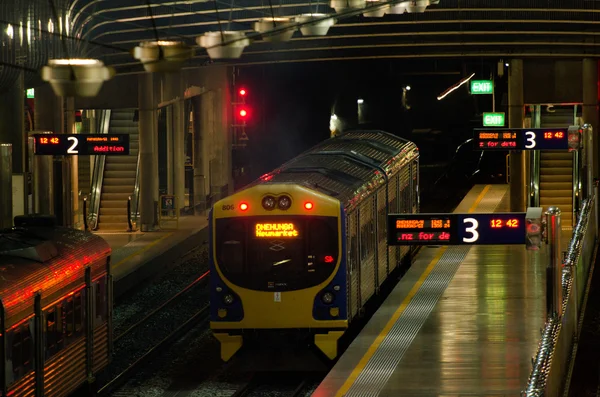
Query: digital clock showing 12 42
x=81, y=144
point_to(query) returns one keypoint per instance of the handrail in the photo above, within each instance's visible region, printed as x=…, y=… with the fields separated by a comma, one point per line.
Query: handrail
x=98, y=175
x=547, y=352
x=576, y=163
x=134, y=213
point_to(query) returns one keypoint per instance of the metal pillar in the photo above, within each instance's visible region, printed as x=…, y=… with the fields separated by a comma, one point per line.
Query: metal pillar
x=6, y=190
x=174, y=88
x=518, y=187
x=43, y=181
x=554, y=291
x=146, y=125
x=590, y=103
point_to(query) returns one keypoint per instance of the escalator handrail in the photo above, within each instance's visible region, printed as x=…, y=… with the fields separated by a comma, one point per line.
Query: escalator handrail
x=136, y=191
x=98, y=175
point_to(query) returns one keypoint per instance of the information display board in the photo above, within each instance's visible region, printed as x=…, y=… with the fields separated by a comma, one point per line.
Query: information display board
x=81, y=144
x=456, y=229
x=522, y=139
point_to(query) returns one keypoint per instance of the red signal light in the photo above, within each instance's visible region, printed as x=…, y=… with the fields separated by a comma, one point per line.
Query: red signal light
x=243, y=113
x=308, y=205
x=243, y=206
x=242, y=92
x=328, y=259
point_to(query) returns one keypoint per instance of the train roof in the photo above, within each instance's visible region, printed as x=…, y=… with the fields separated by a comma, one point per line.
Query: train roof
x=46, y=260
x=348, y=166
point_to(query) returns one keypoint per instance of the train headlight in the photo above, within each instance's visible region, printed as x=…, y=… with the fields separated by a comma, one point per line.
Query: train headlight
x=327, y=298
x=284, y=202
x=269, y=203
x=228, y=299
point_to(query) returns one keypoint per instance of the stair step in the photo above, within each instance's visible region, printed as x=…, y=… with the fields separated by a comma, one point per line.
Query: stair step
x=556, y=193
x=555, y=171
x=123, y=160
x=121, y=210
x=106, y=226
x=556, y=179
x=556, y=156
x=119, y=174
x=122, y=197
x=113, y=204
x=120, y=167
x=567, y=185
x=125, y=189
x=556, y=163
x=556, y=201
x=113, y=218
x=129, y=182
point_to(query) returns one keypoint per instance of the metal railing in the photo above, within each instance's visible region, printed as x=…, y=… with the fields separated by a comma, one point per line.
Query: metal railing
x=551, y=362
x=135, y=197
x=98, y=174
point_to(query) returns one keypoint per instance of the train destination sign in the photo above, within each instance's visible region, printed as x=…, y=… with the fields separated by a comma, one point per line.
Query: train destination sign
x=81, y=144
x=456, y=229
x=523, y=138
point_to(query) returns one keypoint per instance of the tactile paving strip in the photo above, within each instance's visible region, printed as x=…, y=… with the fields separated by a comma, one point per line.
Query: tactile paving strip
x=384, y=361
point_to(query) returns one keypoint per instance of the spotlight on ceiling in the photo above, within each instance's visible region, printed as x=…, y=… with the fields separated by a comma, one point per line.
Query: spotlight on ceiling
x=223, y=45
x=376, y=10
x=314, y=24
x=341, y=5
x=162, y=56
x=266, y=25
x=76, y=77
x=417, y=6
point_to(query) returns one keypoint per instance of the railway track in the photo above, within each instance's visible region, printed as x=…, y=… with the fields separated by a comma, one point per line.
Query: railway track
x=154, y=331
x=277, y=385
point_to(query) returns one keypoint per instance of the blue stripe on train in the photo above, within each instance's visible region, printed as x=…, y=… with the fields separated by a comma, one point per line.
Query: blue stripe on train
x=320, y=309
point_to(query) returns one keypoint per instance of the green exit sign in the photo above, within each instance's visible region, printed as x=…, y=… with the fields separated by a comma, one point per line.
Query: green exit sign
x=30, y=93
x=479, y=87
x=493, y=119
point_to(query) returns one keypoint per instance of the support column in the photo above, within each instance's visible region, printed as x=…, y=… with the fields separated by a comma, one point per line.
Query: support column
x=12, y=130
x=71, y=188
x=49, y=116
x=174, y=93
x=518, y=187
x=146, y=125
x=6, y=210
x=590, y=105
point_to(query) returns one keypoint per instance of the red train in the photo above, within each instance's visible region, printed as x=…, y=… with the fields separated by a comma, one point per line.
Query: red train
x=55, y=308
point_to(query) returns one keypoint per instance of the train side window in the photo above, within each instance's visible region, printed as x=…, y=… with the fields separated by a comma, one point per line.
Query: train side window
x=101, y=303
x=78, y=312
x=52, y=332
x=21, y=351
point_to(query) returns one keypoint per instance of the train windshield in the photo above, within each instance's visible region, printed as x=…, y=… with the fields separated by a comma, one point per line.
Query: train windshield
x=276, y=253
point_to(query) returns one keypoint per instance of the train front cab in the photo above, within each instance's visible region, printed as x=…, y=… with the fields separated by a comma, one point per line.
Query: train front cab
x=274, y=269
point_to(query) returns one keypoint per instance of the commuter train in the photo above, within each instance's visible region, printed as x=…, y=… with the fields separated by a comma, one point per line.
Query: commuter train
x=303, y=248
x=56, y=307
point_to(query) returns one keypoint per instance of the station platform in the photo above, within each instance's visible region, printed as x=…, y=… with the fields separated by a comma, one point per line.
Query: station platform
x=463, y=321
x=139, y=255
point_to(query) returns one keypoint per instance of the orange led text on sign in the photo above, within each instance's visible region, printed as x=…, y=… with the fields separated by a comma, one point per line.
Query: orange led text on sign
x=276, y=230
x=498, y=223
x=554, y=135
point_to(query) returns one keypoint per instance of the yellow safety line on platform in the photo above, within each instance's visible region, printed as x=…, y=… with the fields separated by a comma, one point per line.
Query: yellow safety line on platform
x=142, y=250
x=375, y=345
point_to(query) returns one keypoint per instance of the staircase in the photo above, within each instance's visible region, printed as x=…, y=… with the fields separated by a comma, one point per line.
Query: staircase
x=556, y=169
x=556, y=183
x=119, y=174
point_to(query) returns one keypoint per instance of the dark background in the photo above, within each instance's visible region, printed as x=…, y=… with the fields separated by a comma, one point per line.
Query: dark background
x=291, y=105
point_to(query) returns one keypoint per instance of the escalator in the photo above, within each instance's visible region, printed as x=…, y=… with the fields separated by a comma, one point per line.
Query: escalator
x=556, y=167
x=115, y=178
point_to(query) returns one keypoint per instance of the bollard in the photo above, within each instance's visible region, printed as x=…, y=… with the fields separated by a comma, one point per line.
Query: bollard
x=554, y=266
x=6, y=191
x=85, y=222
x=129, y=214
